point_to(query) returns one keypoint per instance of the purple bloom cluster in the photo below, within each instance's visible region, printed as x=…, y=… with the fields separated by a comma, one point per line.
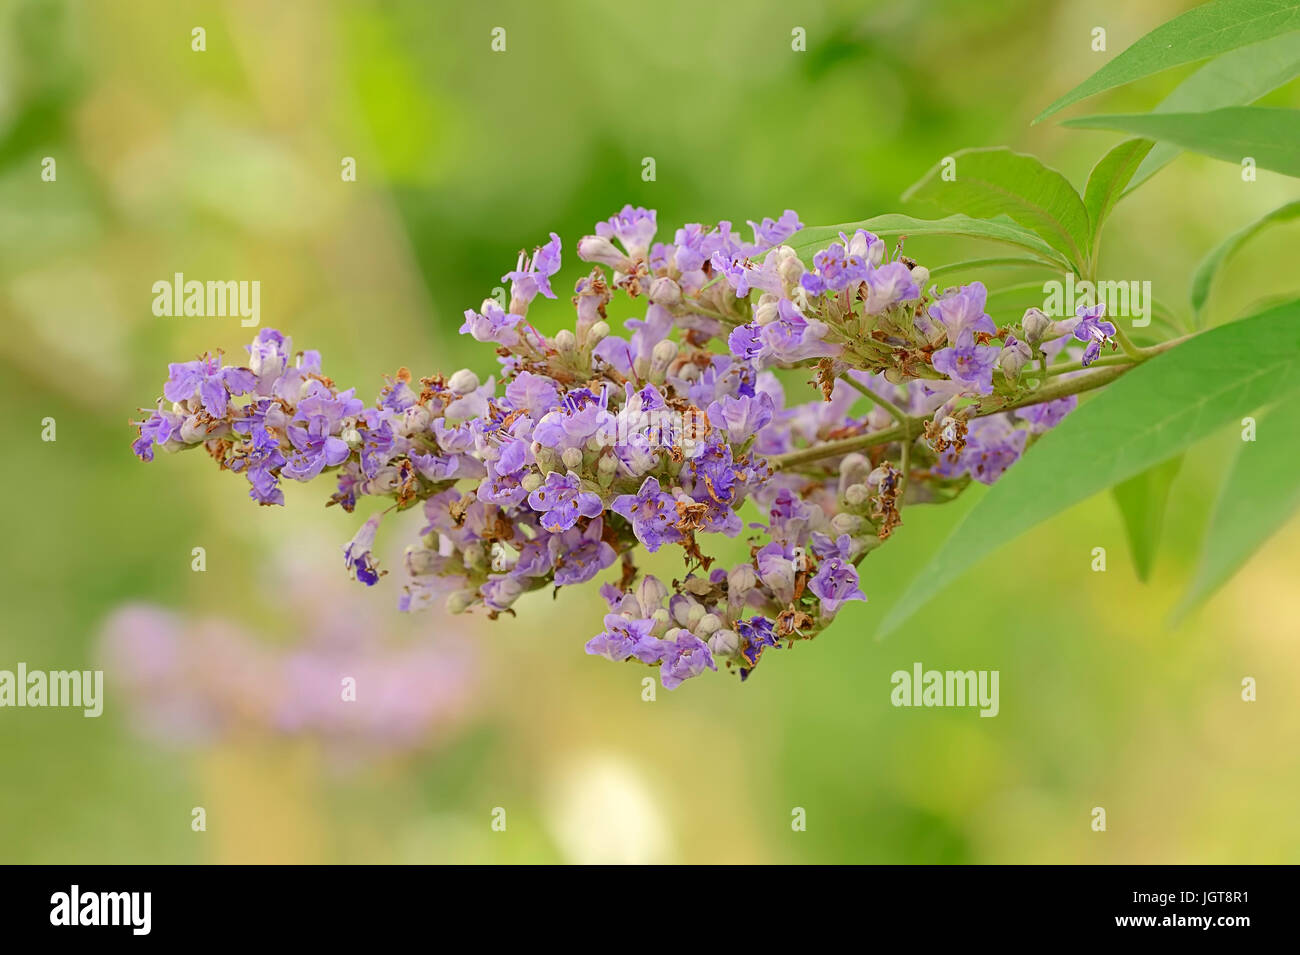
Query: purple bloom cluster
x=590, y=444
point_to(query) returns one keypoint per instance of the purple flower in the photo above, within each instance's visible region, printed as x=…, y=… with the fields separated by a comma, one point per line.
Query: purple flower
x=492, y=325
x=620, y=638
x=963, y=309
x=889, y=285
x=578, y=555
x=683, y=658
x=756, y=635
x=1047, y=415
x=835, y=583
x=741, y=417
x=535, y=394
x=1091, y=329
x=316, y=448
x=746, y=341
x=967, y=362
x=794, y=337
x=268, y=356
x=634, y=227
x=835, y=268
x=356, y=554
x=561, y=501
x=213, y=383
x=505, y=474
x=159, y=428
x=772, y=232
x=533, y=275
x=652, y=513
x=993, y=444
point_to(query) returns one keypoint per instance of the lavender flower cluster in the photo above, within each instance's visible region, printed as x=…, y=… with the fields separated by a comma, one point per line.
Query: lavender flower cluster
x=590, y=444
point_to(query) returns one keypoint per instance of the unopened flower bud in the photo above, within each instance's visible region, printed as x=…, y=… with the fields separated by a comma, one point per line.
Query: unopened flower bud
x=664, y=291
x=463, y=382
x=460, y=601
x=572, y=458
x=724, y=643
x=1014, y=356
x=566, y=343
x=921, y=276
x=767, y=311
x=708, y=624
x=593, y=248
x=847, y=523
x=597, y=334
x=1035, y=323
x=531, y=481
x=661, y=358
x=857, y=494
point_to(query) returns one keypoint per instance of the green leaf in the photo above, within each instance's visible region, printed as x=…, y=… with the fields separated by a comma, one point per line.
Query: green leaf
x=1199, y=33
x=1233, y=79
x=1142, y=500
x=1151, y=413
x=981, y=265
x=1259, y=495
x=1106, y=184
x=1203, y=278
x=815, y=238
x=999, y=182
x=1270, y=136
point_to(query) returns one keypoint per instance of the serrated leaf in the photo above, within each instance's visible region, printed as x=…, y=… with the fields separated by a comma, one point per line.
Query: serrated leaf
x=1260, y=493
x=1203, y=278
x=1142, y=501
x=813, y=239
x=1199, y=33
x=1149, y=414
x=1237, y=78
x=1106, y=184
x=1269, y=136
x=1000, y=182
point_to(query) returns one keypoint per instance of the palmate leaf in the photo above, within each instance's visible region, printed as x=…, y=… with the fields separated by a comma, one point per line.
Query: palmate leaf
x=998, y=181
x=1142, y=501
x=1196, y=35
x=1150, y=414
x=1269, y=136
x=1260, y=493
x=813, y=239
x=1203, y=279
x=1237, y=78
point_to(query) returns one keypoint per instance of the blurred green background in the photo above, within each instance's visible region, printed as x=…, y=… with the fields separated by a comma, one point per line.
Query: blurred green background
x=226, y=164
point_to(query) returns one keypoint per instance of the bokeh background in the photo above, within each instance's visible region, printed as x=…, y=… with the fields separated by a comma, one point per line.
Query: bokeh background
x=226, y=164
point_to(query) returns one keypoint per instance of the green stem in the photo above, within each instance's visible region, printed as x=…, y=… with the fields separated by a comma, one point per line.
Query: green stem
x=898, y=413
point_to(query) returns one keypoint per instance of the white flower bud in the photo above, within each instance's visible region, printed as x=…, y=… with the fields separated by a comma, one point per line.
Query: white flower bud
x=846, y=523
x=664, y=291
x=463, y=382
x=709, y=624
x=566, y=343
x=1035, y=323
x=724, y=643
x=593, y=248
x=597, y=334
x=531, y=481
x=661, y=358
x=921, y=276
x=766, y=311
x=857, y=494
x=460, y=601
x=572, y=458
